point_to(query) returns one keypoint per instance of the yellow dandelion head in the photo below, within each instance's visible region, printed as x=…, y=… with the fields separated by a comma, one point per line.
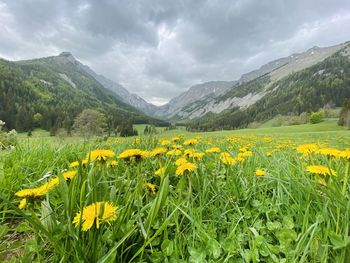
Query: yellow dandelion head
x=69, y=175
x=321, y=170
x=158, y=151
x=213, y=150
x=174, y=152
x=100, y=155
x=151, y=188
x=186, y=167
x=260, y=172
x=181, y=161
x=190, y=142
x=95, y=213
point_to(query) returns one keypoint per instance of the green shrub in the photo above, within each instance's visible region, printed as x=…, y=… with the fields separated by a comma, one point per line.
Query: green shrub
x=316, y=117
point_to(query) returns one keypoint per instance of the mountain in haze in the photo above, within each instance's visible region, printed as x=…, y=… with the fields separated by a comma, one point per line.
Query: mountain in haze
x=50, y=92
x=216, y=97
x=303, y=83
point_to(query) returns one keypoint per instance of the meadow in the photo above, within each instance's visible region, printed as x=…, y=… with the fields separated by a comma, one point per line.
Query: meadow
x=255, y=195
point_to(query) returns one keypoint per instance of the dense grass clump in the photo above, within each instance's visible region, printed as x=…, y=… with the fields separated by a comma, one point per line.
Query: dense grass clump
x=210, y=198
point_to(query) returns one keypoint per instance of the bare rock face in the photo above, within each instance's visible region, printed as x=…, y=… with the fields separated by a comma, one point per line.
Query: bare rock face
x=214, y=96
x=122, y=93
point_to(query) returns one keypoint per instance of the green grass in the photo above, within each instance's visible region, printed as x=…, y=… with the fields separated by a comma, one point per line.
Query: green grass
x=216, y=213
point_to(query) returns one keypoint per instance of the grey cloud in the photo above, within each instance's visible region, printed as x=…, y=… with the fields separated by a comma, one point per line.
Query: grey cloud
x=159, y=48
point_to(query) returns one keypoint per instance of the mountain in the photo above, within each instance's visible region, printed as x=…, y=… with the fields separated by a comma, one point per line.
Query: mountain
x=181, y=104
x=218, y=96
x=49, y=92
x=302, y=83
x=122, y=93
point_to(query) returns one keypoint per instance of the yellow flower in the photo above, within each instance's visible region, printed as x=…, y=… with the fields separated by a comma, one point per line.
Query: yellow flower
x=133, y=154
x=226, y=158
x=243, y=149
x=100, y=155
x=38, y=191
x=158, y=151
x=95, y=213
x=331, y=152
x=177, y=146
x=345, y=154
x=113, y=163
x=190, y=142
x=193, y=154
x=23, y=203
x=268, y=154
x=165, y=142
x=320, y=169
x=307, y=149
x=174, y=152
x=151, y=188
x=69, y=175
x=260, y=172
x=213, y=150
x=180, y=161
x=76, y=163
x=175, y=139
x=181, y=169
x=245, y=154
x=160, y=171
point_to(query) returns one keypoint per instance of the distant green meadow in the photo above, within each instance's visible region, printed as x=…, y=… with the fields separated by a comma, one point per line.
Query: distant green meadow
x=273, y=194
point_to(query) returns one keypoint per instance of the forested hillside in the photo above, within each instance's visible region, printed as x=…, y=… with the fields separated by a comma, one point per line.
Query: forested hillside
x=50, y=92
x=327, y=82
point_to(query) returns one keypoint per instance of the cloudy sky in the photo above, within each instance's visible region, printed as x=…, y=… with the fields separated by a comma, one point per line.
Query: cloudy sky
x=158, y=49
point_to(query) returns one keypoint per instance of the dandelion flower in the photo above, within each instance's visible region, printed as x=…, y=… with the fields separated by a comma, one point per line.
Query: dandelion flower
x=190, y=142
x=165, y=142
x=69, y=175
x=100, y=155
x=181, y=161
x=174, y=152
x=320, y=169
x=186, y=167
x=345, y=154
x=151, y=188
x=133, y=154
x=175, y=139
x=330, y=152
x=113, y=163
x=307, y=149
x=260, y=172
x=22, y=203
x=158, y=151
x=226, y=158
x=213, y=150
x=97, y=213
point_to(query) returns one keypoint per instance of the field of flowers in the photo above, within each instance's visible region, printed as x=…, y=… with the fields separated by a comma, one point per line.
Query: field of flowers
x=181, y=198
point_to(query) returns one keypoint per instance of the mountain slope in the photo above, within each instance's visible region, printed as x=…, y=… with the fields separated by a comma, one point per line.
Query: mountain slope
x=249, y=89
x=326, y=82
x=122, y=93
x=196, y=93
x=50, y=92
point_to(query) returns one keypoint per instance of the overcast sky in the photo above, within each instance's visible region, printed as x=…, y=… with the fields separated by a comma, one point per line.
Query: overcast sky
x=158, y=49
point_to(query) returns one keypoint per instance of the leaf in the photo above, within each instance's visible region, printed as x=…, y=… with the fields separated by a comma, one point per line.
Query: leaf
x=273, y=225
x=337, y=241
x=168, y=247
x=3, y=230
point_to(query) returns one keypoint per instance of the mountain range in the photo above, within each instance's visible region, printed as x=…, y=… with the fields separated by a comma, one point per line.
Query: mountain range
x=59, y=87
